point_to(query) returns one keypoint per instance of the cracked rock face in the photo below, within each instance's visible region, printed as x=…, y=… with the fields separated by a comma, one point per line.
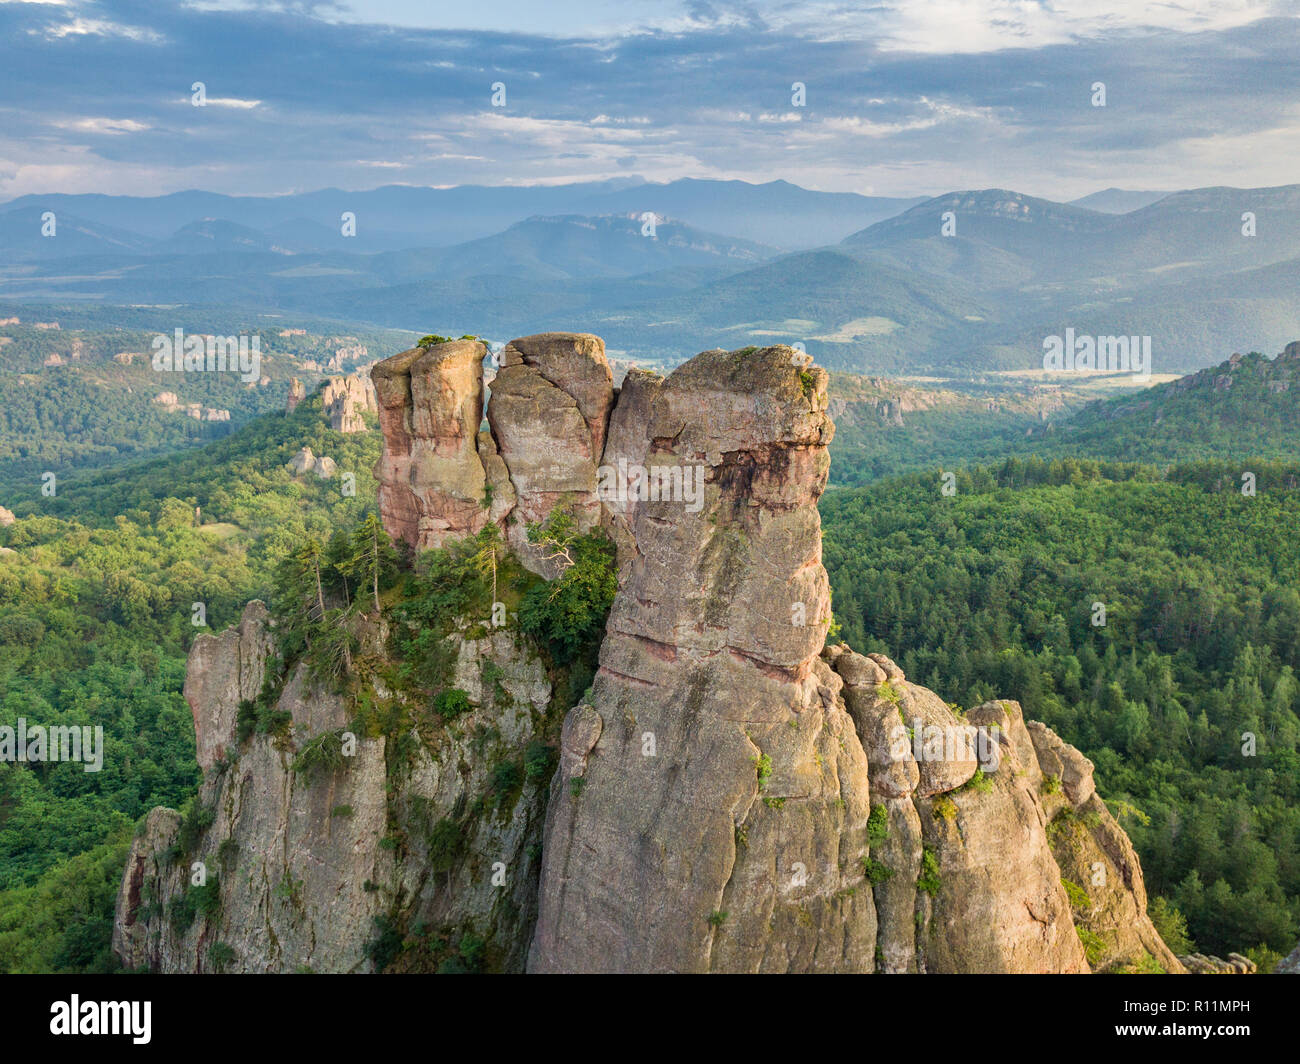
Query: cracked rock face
x=440, y=478
x=722, y=812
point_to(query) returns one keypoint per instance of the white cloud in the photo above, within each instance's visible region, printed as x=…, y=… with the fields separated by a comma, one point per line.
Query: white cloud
x=233, y=102
x=98, y=27
x=968, y=26
x=104, y=125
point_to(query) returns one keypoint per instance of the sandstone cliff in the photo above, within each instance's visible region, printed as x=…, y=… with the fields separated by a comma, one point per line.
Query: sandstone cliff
x=731, y=794
x=345, y=399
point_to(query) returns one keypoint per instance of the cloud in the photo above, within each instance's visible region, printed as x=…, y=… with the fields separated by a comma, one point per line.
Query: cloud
x=902, y=98
x=96, y=27
x=115, y=126
x=233, y=102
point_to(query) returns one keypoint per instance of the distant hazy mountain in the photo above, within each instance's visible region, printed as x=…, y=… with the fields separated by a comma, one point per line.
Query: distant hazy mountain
x=826, y=299
x=1118, y=200
x=1200, y=271
x=213, y=235
x=611, y=246
x=776, y=213
x=400, y=216
x=1181, y=233
x=22, y=236
x=411, y=215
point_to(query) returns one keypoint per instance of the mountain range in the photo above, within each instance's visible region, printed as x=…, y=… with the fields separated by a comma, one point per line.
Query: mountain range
x=402, y=216
x=957, y=285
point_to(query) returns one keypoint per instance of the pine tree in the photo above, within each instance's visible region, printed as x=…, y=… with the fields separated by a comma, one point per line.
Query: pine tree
x=308, y=557
x=372, y=553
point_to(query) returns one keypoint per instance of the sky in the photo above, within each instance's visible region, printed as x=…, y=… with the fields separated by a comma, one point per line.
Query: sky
x=900, y=97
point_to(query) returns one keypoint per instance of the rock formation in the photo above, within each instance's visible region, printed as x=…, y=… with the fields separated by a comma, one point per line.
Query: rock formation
x=1236, y=964
x=732, y=794
x=297, y=393
x=345, y=399
x=440, y=479
x=302, y=860
x=171, y=403
x=431, y=480
x=305, y=461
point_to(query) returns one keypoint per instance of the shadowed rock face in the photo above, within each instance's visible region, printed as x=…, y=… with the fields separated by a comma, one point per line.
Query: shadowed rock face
x=222, y=671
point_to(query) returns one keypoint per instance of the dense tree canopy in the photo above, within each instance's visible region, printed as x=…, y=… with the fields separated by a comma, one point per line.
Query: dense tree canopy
x=1152, y=619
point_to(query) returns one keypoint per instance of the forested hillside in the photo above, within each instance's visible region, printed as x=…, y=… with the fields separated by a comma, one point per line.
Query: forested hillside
x=990, y=591
x=1247, y=407
x=80, y=391
x=1151, y=619
x=97, y=594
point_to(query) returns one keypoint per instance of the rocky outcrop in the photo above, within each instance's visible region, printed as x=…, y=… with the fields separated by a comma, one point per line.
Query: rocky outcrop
x=6, y=517
x=439, y=479
x=306, y=861
x=431, y=480
x=549, y=412
x=723, y=805
x=966, y=880
x=297, y=393
x=731, y=794
x=1236, y=964
x=346, y=399
x=170, y=402
x=1290, y=965
x=305, y=461
x=222, y=671
x=282, y=868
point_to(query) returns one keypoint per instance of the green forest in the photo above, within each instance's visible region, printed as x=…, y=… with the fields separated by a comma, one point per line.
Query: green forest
x=97, y=587
x=1151, y=618
x=1150, y=615
x=93, y=405
x=1244, y=407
